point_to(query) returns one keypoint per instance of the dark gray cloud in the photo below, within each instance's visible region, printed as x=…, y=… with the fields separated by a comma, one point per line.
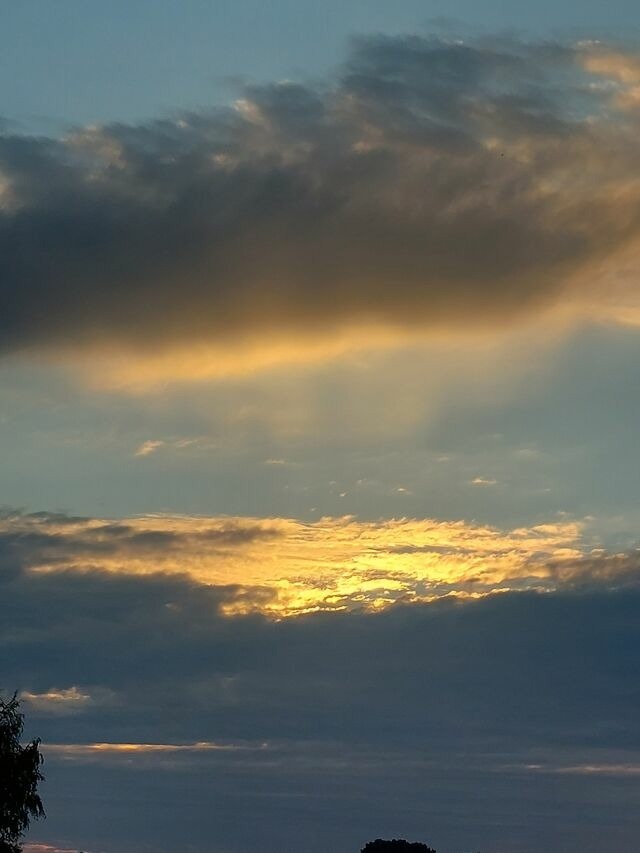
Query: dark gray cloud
x=470, y=724
x=34, y=540
x=430, y=182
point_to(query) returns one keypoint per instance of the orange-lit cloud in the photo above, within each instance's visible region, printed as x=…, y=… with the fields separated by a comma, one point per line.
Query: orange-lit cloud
x=284, y=567
x=306, y=221
x=34, y=847
x=127, y=750
x=618, y=69
x=66, y=701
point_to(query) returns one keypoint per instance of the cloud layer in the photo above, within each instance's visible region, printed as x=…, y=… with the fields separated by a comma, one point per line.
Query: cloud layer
x=432, y=720
x=430, y=184
x=285, y=567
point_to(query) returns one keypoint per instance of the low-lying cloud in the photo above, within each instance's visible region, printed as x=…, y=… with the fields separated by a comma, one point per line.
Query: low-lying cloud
x=410, y=715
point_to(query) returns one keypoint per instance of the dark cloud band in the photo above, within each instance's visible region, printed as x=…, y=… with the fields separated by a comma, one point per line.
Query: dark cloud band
x=444, y=717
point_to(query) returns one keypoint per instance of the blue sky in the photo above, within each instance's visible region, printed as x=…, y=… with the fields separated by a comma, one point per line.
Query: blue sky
x=319, y=347
x=67, y=62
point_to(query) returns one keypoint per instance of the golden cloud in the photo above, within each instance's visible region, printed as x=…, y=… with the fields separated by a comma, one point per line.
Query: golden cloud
x=284, y=567
x=63, y=701
x=93, y=750
x=307, y=221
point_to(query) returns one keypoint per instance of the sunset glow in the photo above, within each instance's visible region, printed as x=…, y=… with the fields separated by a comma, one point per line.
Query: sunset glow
x=319, y=371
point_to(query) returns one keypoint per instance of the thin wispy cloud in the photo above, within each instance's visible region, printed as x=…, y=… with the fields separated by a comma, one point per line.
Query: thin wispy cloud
x=148, y=447
x=99, y=751
x=66, y=701
x=484, y=481
x=47, y=848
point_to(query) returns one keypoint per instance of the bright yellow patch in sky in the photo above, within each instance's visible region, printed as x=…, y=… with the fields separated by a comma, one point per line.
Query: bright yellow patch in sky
x=283, y=567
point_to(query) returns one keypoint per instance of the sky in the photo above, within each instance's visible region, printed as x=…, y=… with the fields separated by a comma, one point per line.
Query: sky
x=319, y=394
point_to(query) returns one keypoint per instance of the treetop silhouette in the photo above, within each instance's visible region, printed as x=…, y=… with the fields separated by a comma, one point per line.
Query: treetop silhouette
x=19, y=778
x=396, y=845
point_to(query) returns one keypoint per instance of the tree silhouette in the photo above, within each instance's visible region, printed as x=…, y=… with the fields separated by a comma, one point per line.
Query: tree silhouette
x=19, y=778
x=396, y=845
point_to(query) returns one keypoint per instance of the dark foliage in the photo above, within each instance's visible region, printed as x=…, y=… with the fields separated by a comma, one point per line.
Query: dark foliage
x=396, y=845
x=19, y=778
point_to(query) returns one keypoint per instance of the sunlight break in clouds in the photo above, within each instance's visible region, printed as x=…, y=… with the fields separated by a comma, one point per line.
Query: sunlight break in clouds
x=283, y=566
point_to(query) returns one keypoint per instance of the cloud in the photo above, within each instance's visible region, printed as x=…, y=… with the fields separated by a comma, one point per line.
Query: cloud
x=614, y=770
x=65, y=701
x=46, y=848
x=284, y=566
x=403, y=714
x=167, y=636
x=148, y=447
x=483, y=481
x=508, y=664
x=429, y=185
x=98, y=751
